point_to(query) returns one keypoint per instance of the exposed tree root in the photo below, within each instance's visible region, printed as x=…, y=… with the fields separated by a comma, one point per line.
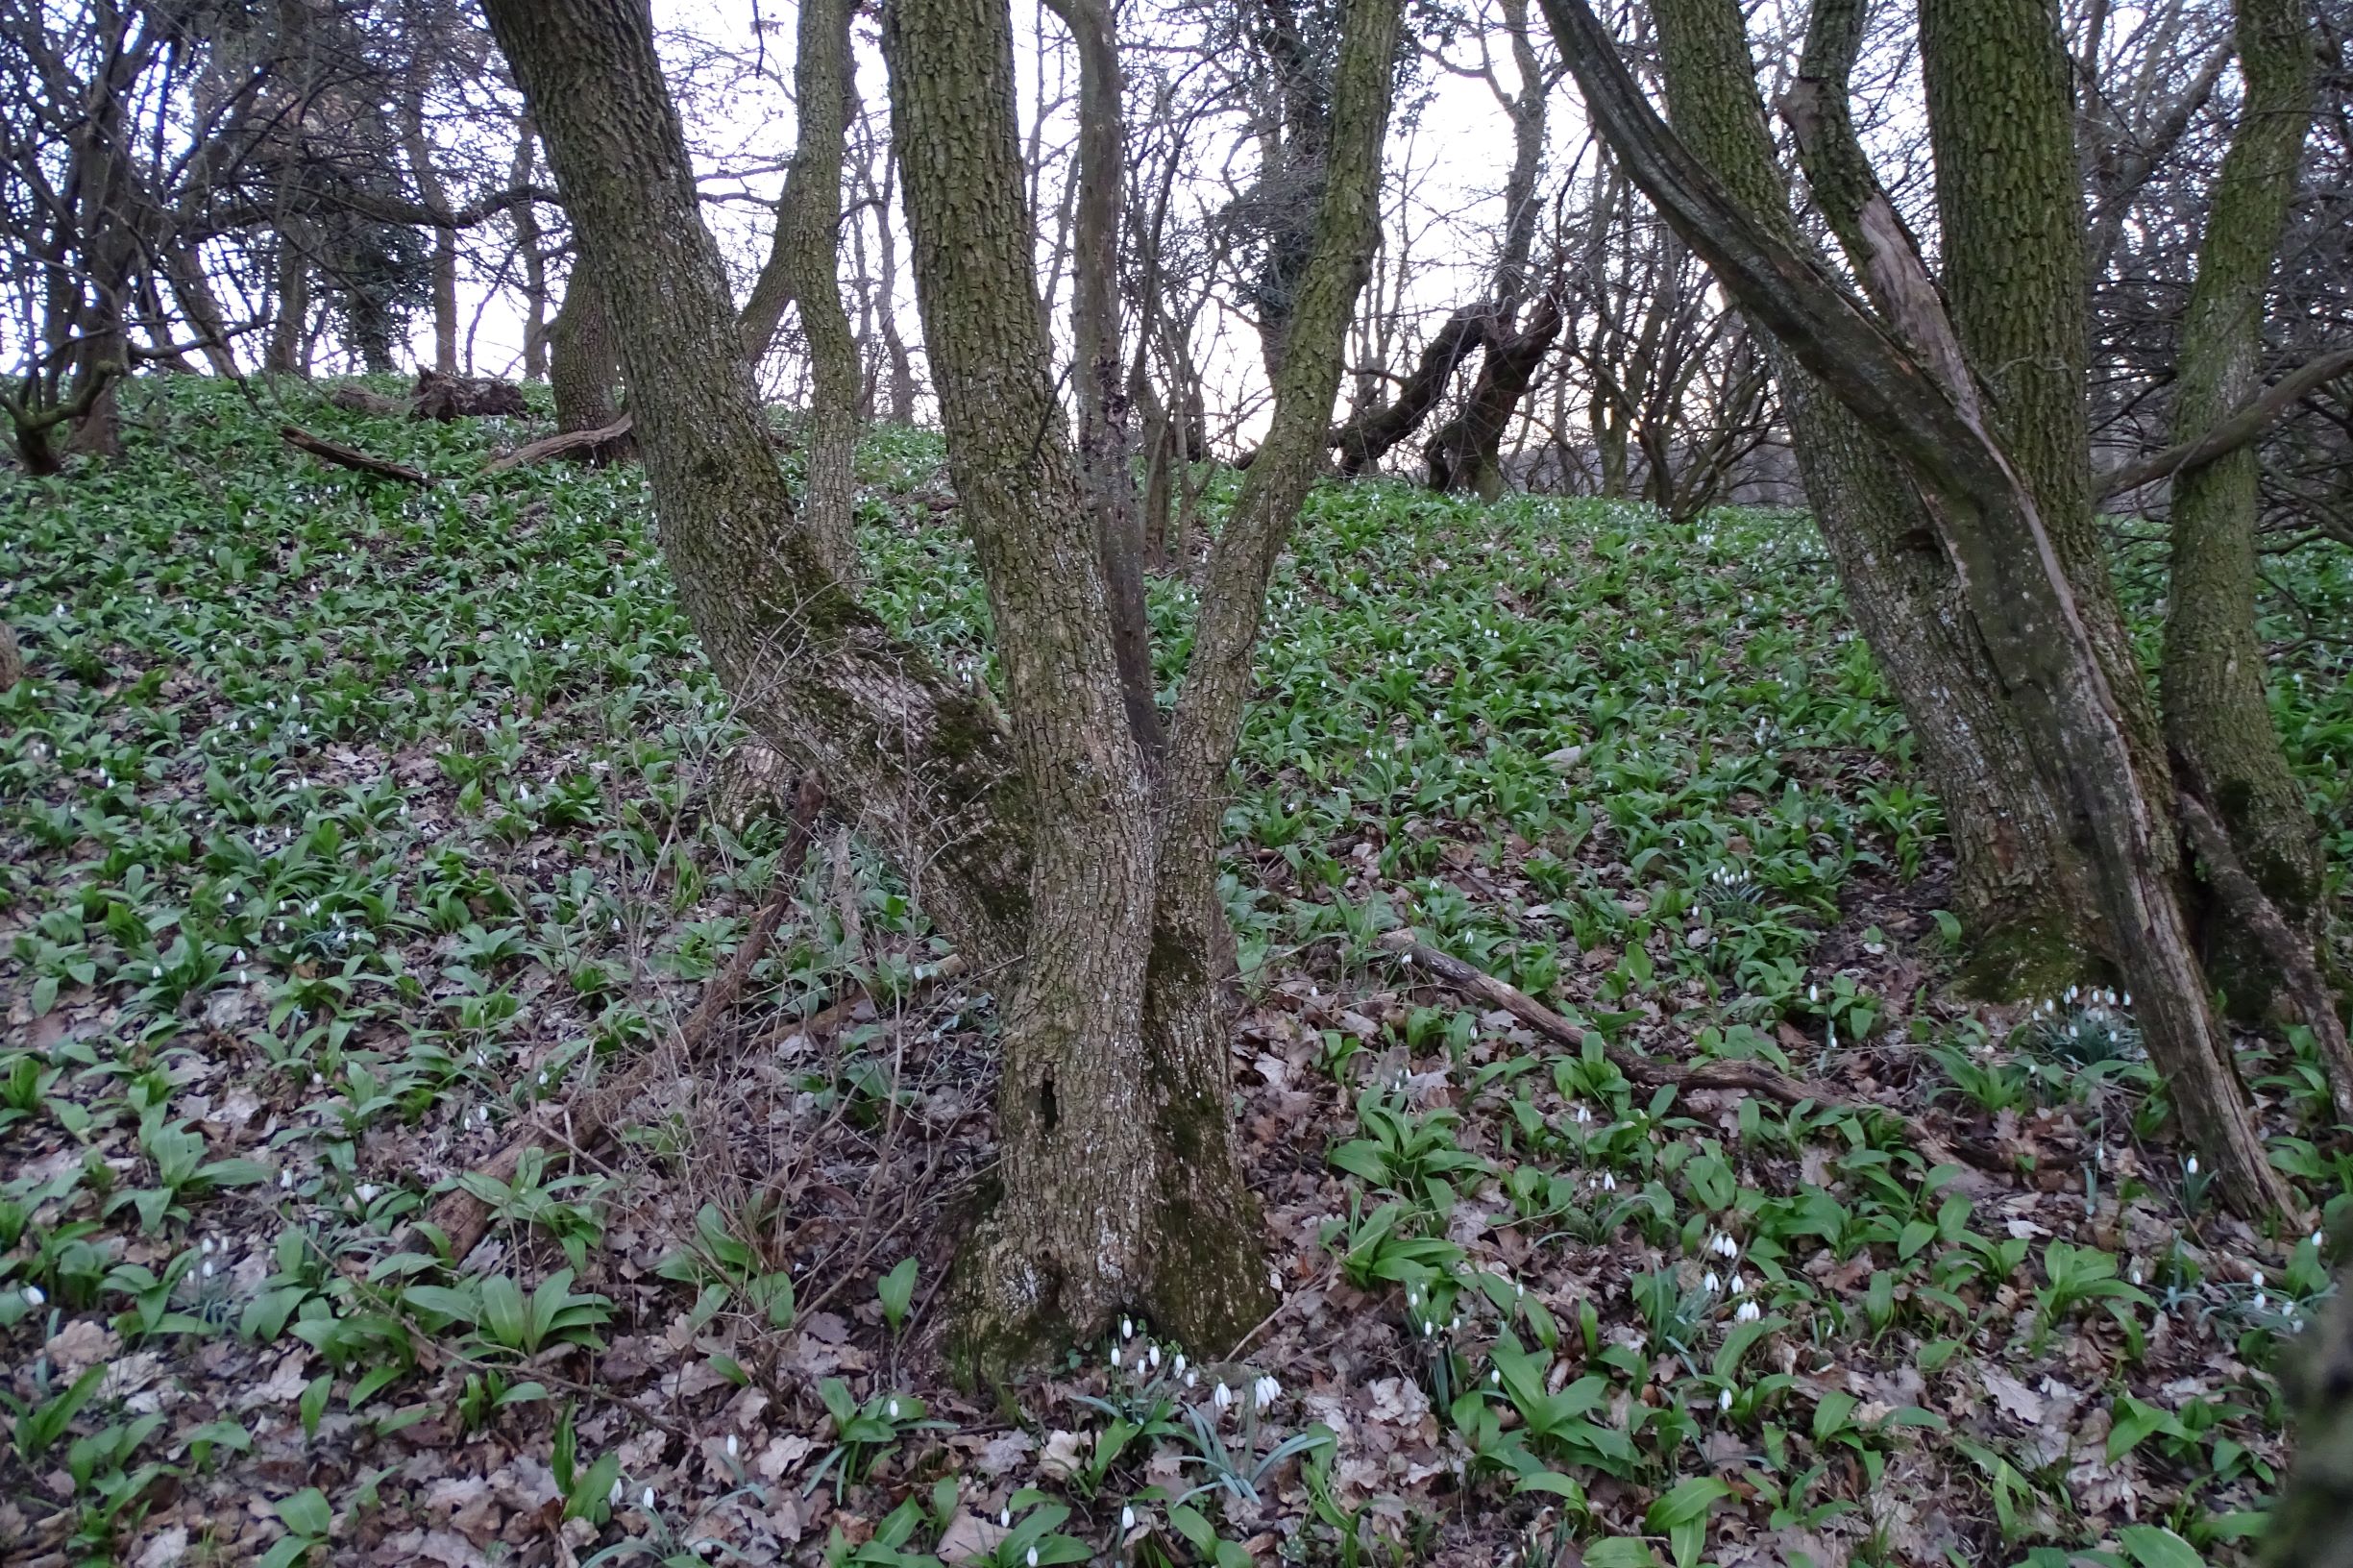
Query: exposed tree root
x=1752, y=1077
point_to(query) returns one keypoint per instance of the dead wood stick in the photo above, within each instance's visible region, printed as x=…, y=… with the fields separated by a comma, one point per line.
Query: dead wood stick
x=350, y=458
x=2299, y=975
x=1754, y=1077
x=563, y=444
x=465, y=1218
x=2249, y=422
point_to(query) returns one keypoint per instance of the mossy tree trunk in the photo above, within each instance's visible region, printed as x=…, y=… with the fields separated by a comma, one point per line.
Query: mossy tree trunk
x=1911, y=386
x=1037, y=844
x=2218, y=714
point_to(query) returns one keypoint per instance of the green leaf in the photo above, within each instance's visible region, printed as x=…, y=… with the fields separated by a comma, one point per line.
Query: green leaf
x=307, y=1513
x=2153, y=1546
x=896, y=1290
x=1621, y=1552
x=1689, y=1500
x=594, y=1489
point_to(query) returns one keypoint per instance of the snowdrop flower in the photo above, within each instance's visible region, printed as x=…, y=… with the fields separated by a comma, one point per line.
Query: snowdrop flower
x=2318, y=1241
x=892, y=1410
x=1711, y=1284
x=367, y=1192
x=1127, y=1328
x=734, y=1445
x=1179, y=1365
x=155, y=971
x=285, y=1178
x=2257, y=1281
x=1127, y=1519
x=645, y=1500
x=2261, y=1301
x=1740, y=1286
x=1032, y=1558
x=1609, y=1182
x=614, y=1496
x=2189, y=1165
x=2136, y=1274
x=1265, y=1391
x=34, y=1296
x=1724, y=1400
x=1152, y=1355
x=1004, y=1518
x=1222, y=1396
x=1748, y=1312
x=1724, y=1246
x=1496, y=1378
x=1189, y=1379
x=1114, y=1355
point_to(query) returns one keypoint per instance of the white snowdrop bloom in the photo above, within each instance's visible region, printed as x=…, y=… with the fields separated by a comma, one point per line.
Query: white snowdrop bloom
x=2189, y=1165
x=34, y=1296
x=1004, y=1518
x=614, y=1496
x=285, y=1178
x=1189, y=1379
x=1127, y=1518
x=1724, y=1400
x=207, y=1268
x=155, y=971
x=892, y=1410
x=2128, y=1001
x=1032, y=1558
x=1179, y=1365
x=2136, y=1275
x=1724, y=1246
x=1114, y=1355
x=1221, y=1396
x=240, y=952
x=367, y=1192
x=1748, y=1312
x=1740, y=1286
x=2260, y=1301
x=1152, y=1355
x=1813, y=993
x=734, y=1445
x=1429, y=1331
x=1495, y=1378
x=1710, y=1283
x=1127, y=1328
x=645, y=1500
x=1609, y=1182
x=2318, y=1241
x=1265, y=1391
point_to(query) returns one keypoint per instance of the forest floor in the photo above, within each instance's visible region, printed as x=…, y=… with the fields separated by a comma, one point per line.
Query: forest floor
x=351, y=830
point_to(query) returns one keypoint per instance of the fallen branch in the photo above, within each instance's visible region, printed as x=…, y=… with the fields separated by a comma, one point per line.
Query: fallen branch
x=465, y=1218
x=1752, y=1077
x=350, y=458
x=2299, y=975
x=564, y=444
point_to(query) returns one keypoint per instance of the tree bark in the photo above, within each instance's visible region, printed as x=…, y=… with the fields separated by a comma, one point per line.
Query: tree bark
x=1098, y=371
x=583, y=362
x=417, y=147
x=2217, y=712
x=1466, y=452
x=284, y=354
x=1068, y=1244
x=2019, y=590
x=529, y=246
x=809, y=224
x=1367, y=437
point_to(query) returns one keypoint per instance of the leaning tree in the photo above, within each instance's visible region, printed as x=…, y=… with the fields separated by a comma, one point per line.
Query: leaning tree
x=1035, y=834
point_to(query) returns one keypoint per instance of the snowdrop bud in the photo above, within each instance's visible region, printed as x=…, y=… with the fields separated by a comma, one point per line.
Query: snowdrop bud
x=1114, y=1355
x=1152, y=1355
x=2260, y=1301
x=2189, y=1165
x=1127, y=1518
x=1724, y=1400
x=2136, y=1274
x=892, y=1410
x=735, y=1445
x=1004, y=1518
x=645, y=1500
x=614, y=1496
x=2318, y=1241
x=34, y=1296
x=206, y=1246
x=1032, y=1558
x=1127, y=1328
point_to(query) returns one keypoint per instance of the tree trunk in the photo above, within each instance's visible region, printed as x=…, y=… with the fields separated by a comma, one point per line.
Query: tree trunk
x=2022, y=881
x=2218, y=714
x=418, y=146
x=1465, y=453
x=2018, y=588
x=584, y=361
x=1097, y=372
x=284, y=354
x=11, y=658
x=1205, y=1207
x=529, y=246
x=1367, y=437
x=809, y=224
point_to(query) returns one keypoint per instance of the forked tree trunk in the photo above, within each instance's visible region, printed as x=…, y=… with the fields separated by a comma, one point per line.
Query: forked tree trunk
x=2017, y=586
x=2218, y=714
x=1467, y=454
x=1120, y=1187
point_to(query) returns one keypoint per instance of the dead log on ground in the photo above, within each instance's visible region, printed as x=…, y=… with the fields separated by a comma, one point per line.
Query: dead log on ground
x=600, y=445
x=350, y=458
